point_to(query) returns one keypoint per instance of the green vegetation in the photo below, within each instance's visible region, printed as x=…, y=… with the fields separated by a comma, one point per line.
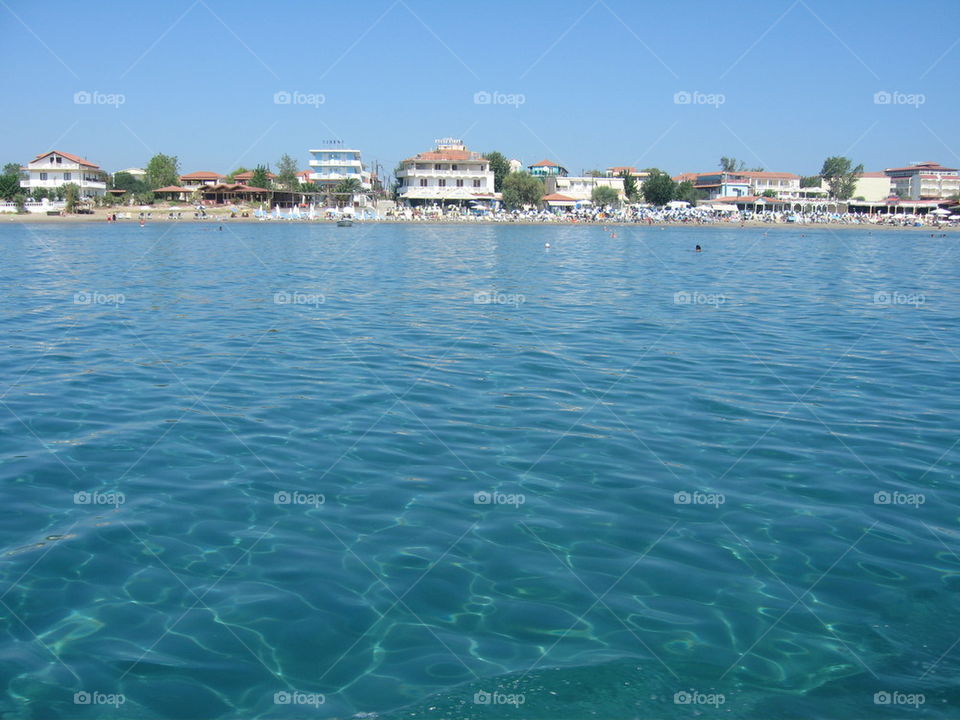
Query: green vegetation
x=769, y=194
x=500, y=167
x=261, y=177
x=346, y=188
x=686, y=192
x=287, y=173
x=841, y=176
x=603, y=195
x=9, y=186
x=521, y=188
x=126, y=181
x=630, y=188
x=71, y=191
x=810, y=181
x=231, y=177
x=162, y=170
x=731, y=164
x=658, y=188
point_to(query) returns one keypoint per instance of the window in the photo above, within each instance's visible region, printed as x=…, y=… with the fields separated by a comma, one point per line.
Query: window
x=66, y=176
x=423, y=182
x=453, y=167
x=459, y=183
x=476, y=183
x=441, y=183
x=438, y=166
x=43, y=176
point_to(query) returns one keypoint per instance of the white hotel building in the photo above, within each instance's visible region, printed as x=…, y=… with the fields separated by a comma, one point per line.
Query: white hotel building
x=54, y=169
x=331, y=165
x=448, y=174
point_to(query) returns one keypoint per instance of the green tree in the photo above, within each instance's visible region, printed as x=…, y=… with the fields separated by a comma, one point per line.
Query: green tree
x=261, y=177
x=9, y=186
x=841, y=176
x=20, y=200
x=126, y=181
x=71, y=192
x=500, y=167
x=603, y=195
x=731, y=164
x=594, y=173
x=162, y=170
x=521, y=188
x=398, y=181
x=12, y=169
x=232, y=176
x=658, y=188
x=769, y=194
x=686, y=192
x=39, y=193
x=810, y=181
x=630, y=189
x=346, y=188
x=287, y=172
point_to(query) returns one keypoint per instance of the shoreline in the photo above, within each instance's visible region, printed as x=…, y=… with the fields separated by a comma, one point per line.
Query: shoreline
x=101, y=217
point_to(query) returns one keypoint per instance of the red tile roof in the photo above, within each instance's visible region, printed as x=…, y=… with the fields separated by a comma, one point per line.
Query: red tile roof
x=248, y=175
x=445, y=156
x=921, y=166
x=545, y=163
x=73, y=158
x=557, y=197
x=173, y=188
x=201, y=175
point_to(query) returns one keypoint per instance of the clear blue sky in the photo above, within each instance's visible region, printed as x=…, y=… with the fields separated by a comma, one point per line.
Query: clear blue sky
x=598, y=79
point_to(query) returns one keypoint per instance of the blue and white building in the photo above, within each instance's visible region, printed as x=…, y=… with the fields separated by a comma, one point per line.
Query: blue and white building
x=332, y=164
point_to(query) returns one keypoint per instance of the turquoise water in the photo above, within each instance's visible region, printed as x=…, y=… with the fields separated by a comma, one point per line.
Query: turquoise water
x=478, y=497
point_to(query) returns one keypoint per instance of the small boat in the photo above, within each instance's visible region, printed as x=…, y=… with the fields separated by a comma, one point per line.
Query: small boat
x=344, y=223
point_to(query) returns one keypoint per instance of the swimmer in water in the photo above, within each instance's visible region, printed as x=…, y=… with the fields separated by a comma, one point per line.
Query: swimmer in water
x=699, y=249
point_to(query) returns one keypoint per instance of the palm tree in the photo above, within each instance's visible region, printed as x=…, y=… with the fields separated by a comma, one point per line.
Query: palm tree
x=348, y=187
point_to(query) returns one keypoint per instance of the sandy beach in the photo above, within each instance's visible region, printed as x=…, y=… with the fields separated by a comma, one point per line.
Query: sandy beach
x=217, y=216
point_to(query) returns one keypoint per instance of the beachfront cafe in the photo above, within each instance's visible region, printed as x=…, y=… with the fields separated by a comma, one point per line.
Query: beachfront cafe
x=894, y=205
x=231, y=193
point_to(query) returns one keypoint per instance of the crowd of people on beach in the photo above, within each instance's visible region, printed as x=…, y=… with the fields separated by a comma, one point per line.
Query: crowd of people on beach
x=667, y=215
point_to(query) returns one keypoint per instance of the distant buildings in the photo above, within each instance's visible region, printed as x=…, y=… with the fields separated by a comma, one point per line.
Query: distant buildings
x=580, y=189
x=924, y=181
x=54, y=169
x=447, y=174
x=546, y=168
x=135, y=172
x=744, y=183
x=201, y=178
x=331, y=165
x=619, y=170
